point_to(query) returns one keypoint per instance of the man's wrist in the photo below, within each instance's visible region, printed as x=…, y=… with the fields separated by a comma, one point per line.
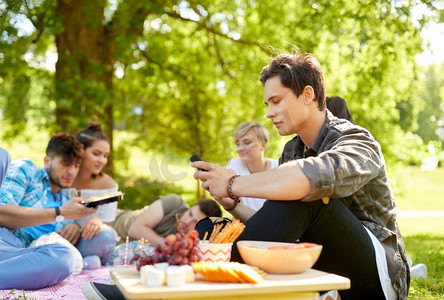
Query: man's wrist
x=230, y=187
x=235, y=203
x=58, y=214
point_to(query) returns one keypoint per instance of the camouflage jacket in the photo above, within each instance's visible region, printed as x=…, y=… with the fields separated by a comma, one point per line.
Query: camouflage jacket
x=346, y=163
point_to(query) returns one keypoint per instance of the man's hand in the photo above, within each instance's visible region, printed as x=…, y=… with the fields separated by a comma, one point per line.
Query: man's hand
x=92, y=228
x=71, y=232
x=74, y=210
x=214, y=179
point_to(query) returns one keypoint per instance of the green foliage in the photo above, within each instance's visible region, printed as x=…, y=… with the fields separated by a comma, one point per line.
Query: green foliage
x=182, y=75
x=30, y=144
x=140, y=191
x=23, y=84
x=12, y=295
x=403, y=147
x=431, y=92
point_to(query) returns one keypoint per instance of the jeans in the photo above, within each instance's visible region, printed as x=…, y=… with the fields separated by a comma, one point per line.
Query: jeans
x=33, y=267
x=347, y=248
x=101, y=245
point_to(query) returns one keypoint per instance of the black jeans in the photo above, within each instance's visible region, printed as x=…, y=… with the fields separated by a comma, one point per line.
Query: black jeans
x=347, y=248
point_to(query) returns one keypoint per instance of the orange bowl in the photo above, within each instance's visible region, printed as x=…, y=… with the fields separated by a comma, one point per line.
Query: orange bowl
x=282, y=258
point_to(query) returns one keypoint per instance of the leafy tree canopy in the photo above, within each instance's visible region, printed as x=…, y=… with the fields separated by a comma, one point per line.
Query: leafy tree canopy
x=183, y=74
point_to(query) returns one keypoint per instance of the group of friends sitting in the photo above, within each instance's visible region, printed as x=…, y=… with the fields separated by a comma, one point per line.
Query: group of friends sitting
x=45, y=228
x=329, y=187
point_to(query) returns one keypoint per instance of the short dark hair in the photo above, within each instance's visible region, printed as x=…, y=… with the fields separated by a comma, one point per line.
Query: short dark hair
x=92, y=133
x=65, y=145
x=296, y=71
x=210, y=208
x=339, y=108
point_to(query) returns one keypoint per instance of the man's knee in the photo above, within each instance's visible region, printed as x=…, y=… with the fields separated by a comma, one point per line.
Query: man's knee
x=62, y=258
x=43, y=266
x=58, y=267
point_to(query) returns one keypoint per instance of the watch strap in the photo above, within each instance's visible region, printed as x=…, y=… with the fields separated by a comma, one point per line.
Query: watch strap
x=57, y=211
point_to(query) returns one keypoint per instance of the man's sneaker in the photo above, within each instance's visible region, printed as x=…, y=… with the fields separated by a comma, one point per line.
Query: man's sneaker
x=418, y=271
x=99, y=291
x=330, y=295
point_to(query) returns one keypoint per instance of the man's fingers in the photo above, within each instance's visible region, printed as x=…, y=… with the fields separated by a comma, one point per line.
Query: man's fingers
x=68, y=235
x=206, y=185
x=75, y=237
x=75, y=240
x=89, y=210
x=202, y=165
x=77, y=199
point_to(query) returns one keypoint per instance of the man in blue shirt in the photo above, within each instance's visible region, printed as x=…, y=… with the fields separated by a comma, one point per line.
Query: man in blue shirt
x=33, y=203
x=5, y=160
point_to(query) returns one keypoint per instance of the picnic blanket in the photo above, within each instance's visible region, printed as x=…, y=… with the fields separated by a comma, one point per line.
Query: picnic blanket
x=70, y=288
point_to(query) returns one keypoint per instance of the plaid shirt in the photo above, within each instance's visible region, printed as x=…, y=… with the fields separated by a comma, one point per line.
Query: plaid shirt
x=27, y=185
x=346, y=162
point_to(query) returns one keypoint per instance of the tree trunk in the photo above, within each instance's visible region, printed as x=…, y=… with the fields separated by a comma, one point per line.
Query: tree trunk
x=84, y=70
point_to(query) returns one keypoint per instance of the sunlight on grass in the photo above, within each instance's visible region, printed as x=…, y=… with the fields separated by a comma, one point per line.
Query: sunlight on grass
x=413, y=226
x=417, y=190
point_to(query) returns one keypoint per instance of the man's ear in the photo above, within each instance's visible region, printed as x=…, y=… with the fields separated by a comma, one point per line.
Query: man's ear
x=47, y=161
x=309, y=94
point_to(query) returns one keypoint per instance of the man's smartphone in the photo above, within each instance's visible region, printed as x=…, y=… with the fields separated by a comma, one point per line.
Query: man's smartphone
x=100, y=200
x=194, y=158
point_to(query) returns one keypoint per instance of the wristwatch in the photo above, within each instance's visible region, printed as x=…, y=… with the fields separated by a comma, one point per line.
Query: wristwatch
x=59, y=218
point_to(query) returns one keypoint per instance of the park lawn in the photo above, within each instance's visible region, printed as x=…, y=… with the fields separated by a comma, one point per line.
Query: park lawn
x=417, y=190
x=424, y=242
x=423, y=237
x=429, y=250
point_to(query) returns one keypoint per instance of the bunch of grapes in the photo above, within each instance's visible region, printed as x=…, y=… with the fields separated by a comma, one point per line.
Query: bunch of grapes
x=179, y=249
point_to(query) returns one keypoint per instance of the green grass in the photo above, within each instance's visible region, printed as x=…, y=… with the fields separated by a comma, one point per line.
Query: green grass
x=417, y=190
x=424, y=242
x=429, y=250
x=423, y=237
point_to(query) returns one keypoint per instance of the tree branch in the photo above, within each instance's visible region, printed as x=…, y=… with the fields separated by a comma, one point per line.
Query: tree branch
x=219, y=56
x=38, y=23
x=128, y=19
x=203, y=26
x=160, y=64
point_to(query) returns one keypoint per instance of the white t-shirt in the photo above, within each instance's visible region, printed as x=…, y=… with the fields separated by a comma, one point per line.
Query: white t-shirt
x=381, y=264
x=106, y=212
x=240, y=168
